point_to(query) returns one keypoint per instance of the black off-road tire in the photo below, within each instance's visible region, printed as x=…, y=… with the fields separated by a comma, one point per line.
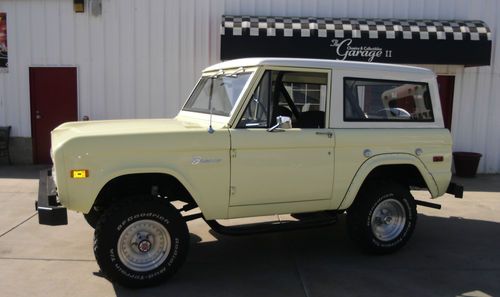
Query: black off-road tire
x=114, y=260
x=365, y=216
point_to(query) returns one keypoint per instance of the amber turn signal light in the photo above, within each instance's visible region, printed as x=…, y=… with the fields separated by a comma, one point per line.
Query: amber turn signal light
x=79, y=173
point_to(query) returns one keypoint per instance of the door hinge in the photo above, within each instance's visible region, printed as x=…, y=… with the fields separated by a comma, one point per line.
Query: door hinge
x=233, y=153
x=233, y=190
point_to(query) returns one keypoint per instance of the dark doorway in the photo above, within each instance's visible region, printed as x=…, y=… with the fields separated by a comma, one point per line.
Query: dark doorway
x=53, y=92
x=446, y=84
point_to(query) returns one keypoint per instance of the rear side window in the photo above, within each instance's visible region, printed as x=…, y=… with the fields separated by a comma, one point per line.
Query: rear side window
x=386, y=101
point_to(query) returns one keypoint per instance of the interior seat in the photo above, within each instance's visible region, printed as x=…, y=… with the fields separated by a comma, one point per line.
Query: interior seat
x=312, y=119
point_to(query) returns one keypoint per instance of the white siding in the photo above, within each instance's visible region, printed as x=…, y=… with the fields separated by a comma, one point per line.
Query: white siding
x=142, y=57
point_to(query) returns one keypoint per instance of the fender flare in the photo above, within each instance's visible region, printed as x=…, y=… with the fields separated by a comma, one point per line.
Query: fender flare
x=116, y=174
x=386, y=159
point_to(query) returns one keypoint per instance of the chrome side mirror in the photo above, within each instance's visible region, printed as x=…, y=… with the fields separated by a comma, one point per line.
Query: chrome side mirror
x=282, y=123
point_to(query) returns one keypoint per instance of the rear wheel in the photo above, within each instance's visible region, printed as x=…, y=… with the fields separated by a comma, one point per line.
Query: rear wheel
x=383, y=217
x=141, y=243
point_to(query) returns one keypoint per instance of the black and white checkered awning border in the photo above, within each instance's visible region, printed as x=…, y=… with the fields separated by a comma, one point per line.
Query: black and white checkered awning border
x=472, y=30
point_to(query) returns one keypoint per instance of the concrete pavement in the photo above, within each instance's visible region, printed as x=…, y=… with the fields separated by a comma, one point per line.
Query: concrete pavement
x=453, y=252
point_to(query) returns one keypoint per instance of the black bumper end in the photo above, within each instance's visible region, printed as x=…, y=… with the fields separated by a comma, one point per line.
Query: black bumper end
x=456, y=190
x=50, y=212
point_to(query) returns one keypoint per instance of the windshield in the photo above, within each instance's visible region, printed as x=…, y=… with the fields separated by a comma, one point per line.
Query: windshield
x=223, y=91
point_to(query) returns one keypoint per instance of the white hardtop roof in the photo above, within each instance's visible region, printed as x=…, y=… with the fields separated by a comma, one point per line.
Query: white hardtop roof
x=317, y=63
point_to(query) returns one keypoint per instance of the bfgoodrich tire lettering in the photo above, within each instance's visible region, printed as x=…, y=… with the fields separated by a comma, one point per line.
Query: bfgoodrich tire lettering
x=131, y=266
x=382, y=218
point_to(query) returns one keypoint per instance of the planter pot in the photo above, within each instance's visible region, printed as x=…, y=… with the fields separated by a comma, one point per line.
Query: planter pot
x=466, y=163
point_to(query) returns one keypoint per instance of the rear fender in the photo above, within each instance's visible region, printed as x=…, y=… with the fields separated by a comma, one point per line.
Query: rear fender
x=387, y=159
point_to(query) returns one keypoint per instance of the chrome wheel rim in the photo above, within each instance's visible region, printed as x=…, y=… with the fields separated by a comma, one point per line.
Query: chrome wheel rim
x=144, y=245
x=388, y=220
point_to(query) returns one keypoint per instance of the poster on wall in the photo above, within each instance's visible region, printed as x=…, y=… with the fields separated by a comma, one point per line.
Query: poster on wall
x=3, y=43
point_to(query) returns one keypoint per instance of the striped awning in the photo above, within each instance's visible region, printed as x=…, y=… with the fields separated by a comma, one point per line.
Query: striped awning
x=464, y=42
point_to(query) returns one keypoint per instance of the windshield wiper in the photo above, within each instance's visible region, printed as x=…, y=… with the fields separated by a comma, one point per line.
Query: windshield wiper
x=219, y=73
x=235, y=73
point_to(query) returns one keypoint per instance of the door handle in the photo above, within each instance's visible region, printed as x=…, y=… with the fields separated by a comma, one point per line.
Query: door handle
x=329, y=134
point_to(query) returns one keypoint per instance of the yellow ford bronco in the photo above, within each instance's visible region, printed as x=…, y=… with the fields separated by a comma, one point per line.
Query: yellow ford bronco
x=262, y=136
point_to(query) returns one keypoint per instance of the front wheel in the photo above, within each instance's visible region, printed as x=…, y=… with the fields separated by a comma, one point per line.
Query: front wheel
x=141, y=243
x=382, y=218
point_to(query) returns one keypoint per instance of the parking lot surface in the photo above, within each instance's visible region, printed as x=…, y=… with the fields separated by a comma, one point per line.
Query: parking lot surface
x=454, y=251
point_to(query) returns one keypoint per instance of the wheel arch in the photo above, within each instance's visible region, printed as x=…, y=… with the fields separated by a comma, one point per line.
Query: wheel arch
x=405, y=168
x=144, y=182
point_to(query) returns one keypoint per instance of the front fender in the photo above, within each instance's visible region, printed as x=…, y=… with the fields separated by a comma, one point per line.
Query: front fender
x=84, y=204
x=386, y=159
x=109, y=156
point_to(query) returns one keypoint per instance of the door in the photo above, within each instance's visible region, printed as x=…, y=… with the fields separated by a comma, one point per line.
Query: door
x=53, y=93
x=446, y=85
x=276, y=167
x=289, y=164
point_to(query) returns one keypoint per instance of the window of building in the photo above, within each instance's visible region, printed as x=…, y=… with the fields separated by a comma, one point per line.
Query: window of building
x=385, y=100
x=307, y=96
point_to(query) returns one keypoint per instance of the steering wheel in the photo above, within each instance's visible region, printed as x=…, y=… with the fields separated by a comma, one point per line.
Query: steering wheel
x=394, y=111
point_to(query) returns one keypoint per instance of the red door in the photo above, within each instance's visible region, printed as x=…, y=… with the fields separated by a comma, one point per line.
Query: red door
x=53, y=92
x=446, y=86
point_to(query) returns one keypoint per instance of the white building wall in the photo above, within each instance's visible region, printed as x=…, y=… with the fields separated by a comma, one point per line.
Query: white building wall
x=140, y=58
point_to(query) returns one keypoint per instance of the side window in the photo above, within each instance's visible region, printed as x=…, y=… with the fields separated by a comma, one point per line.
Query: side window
x=257, y=111
x=384, y=100
x=298, y=95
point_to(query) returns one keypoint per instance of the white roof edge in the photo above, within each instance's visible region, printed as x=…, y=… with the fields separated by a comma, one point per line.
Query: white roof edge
x=319, y=63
